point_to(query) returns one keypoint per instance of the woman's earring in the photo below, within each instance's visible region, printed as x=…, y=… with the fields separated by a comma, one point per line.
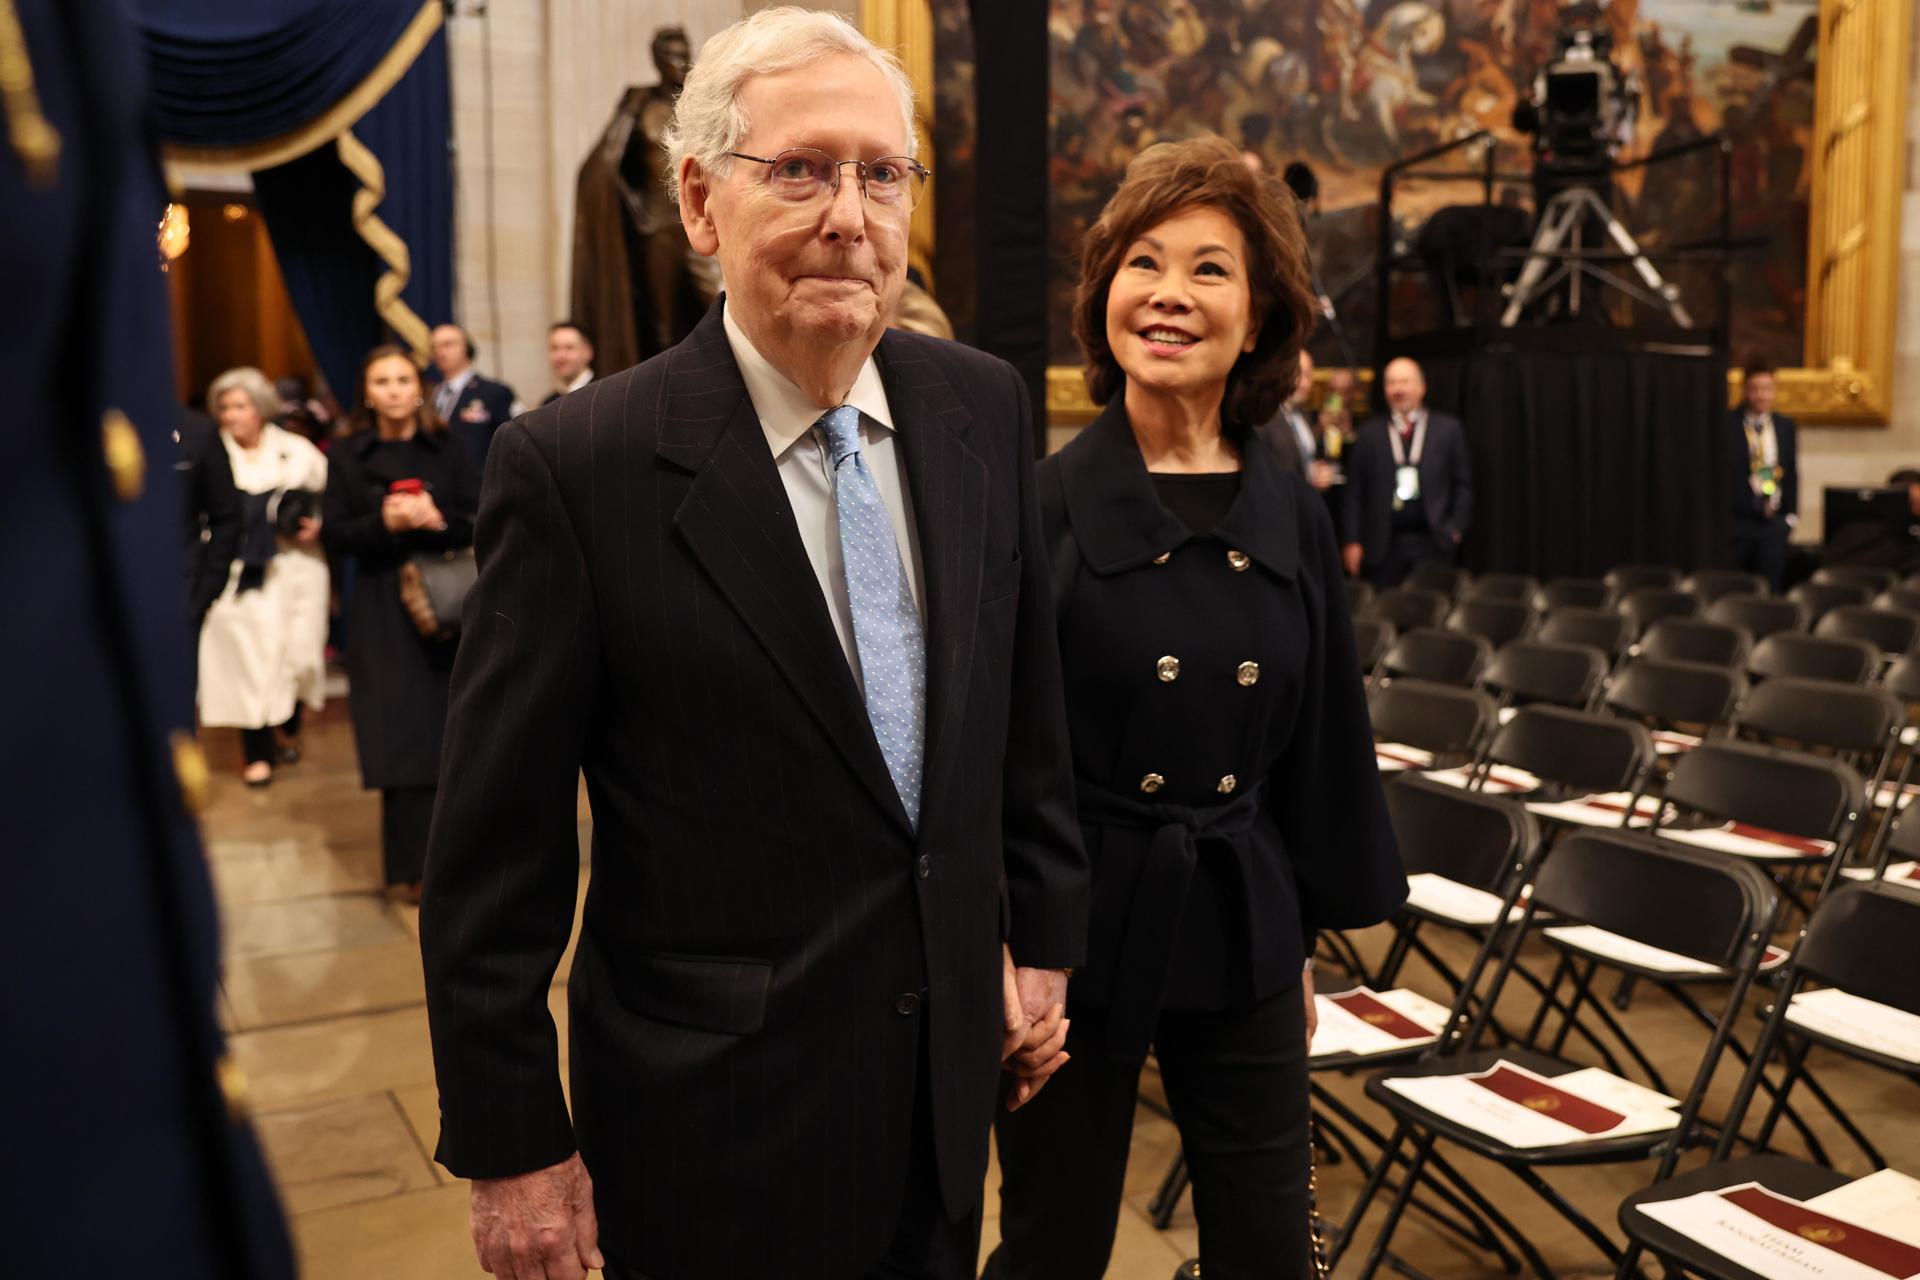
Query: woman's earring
x=419, y=402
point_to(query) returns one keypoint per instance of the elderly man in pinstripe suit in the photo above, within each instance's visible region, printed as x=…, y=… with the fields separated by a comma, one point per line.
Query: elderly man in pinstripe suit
x=780, y=593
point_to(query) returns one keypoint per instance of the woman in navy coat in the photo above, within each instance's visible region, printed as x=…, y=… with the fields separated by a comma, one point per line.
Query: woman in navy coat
x=1223, y=757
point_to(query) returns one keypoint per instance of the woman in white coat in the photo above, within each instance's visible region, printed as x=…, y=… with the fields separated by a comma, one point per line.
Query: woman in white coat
x=263, y=644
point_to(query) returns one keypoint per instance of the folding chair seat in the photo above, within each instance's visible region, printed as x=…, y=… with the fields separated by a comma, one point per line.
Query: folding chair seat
x=1680, y=701
x=1711, y=584
x=1859, y=947
x=1410, y=607
x=1816, y=598
x=1418, y=724
x=1691, y=640
x=1872, y=577
x=1568, y=675
x=1624, y=578
x=1896, y=854
x=1760, y=616
x=1891, y=631
x=1647, y=605
x=1497, y=622
x=1672, y=900
x=1505, y=586
x=1371, y=639
x=1575, y=593
x=1899, y=599
x=1601, y=629
x=1359, y=597
x=1431, y=575
x=1444, y=657
x=1790, y=654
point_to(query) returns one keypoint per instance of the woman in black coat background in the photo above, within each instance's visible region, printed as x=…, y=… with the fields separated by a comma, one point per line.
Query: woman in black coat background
x=1222, y=753
x=399, y=485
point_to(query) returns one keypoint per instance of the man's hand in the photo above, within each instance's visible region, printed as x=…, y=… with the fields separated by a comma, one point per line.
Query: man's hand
x=1313, y=1010
x=539, y=1225
x=1037, y=999
x=1350, y=557
x=1320, y=475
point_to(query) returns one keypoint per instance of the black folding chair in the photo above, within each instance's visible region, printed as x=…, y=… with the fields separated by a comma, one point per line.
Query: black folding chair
x=1439, y=720
x=1873, y=578
x=1790, y=654
x=1624, y=578
x=1901, y=599
x=1572, y=753
x=1497, y=622
x=1677, y=900
x=1645, y=606
x=1816, y=598
x=1691, y=640
x=1359, y=597
x=1891, y=631
x=1371, y=639
x=1858, y=724
x=1431, y=575
x=1575, y=593
x=1444, y=657
x=1410, y=607
x=1759, y=616
x=1504, y=586
x=1526, y=671
x=1680, y=701
x=1711, y=584
x=1859, y=942
x=1601, y=629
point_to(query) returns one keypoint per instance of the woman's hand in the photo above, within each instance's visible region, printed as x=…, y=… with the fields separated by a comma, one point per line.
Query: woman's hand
x=1313, y=1010
x=397, y=513
x=429, y=514
x=309, y=533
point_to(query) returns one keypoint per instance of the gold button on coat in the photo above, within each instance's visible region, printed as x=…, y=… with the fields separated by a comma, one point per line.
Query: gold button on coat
x=190, y=770
x=1248, y=674
x=1168, y=669
x=126, y=460
x=1239, y=561
x=1227, y=784
x=233, y=1087
x=1163, y=557
x=1152, y=783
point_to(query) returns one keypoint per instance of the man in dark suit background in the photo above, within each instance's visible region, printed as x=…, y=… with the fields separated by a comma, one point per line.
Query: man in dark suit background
x=1763, y=456
x=472, y=406
x=781, y=592
x=1409, y=484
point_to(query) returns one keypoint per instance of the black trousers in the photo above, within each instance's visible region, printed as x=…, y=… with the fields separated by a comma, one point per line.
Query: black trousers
x=258, y=743
x=1409, y=549
x=1762, y=549
x=1237, y=1085
x=406, y=816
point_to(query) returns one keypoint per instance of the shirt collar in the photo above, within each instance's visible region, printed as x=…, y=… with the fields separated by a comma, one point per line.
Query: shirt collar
x=786, y=412
x=458, y=382
x=580, y=380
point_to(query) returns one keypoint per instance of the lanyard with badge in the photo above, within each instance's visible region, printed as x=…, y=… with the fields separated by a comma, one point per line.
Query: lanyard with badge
x=1762, y=460
x=1406, y=465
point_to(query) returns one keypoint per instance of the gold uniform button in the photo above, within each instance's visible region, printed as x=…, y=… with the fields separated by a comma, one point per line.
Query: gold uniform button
x=1239, y=561
x=126, y=460
x=190, y=770
x=1168, y=669
x=1248, y=674
x=233, y=1086
x=1227, y=784
x=1163, y=557
x=1152, y=783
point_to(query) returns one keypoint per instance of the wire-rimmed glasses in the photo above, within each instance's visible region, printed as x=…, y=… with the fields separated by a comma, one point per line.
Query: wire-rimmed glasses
x=802, y=174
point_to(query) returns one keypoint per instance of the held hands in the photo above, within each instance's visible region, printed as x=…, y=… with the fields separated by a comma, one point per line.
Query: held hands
x=1036, y=1027
x=405, y=512
x=537, y=1226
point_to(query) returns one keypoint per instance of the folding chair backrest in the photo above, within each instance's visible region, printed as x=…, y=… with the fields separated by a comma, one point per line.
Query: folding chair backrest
x=1788, y=653
x=1575, y=593
x=1497, y=622
x=1632, y=577
x=1601, y=629
x=1534, y=671
x=1504, y=586
x=1443, y=657
x=1821, y=713
x=1691, y=640
x=1647, y=605
x=1433, y=717
x=1575, y=749
x=1892, y=631
x=1758, y=615
x=1711, y=584
x=1904, y=843
x=1861, y=939
x=1903, y=599
x=1813, y=797
x=1410, y=607
x=1818, y=597
x=1431, y=575
x=1466, y=836
x=1903, y=678
x=1872, y=577
x=1359, y=596
x=1673, y=692
x=1371, y=639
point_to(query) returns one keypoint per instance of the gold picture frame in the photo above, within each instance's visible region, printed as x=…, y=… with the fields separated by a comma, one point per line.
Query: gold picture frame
x=1853, y=250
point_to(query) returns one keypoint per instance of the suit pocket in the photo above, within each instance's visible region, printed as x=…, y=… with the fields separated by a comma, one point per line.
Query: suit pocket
x=1000, y=581
x=711, y=994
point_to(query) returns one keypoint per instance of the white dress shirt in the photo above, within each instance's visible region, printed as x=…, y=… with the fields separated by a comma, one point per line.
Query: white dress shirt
x=790, y=420
x=447, y=398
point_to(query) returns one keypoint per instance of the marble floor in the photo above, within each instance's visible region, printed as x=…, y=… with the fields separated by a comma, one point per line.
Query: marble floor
x=322, y=997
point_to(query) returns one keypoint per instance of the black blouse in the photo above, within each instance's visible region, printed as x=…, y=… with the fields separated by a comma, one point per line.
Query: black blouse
x=1222, y=750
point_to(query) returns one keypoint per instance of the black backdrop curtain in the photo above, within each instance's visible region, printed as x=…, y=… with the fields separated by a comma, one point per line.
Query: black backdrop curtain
x=341, y=110
x=1587, y=459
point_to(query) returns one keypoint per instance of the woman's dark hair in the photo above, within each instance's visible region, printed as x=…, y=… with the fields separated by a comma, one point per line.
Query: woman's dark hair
x=1206, y=171
x=363, y=417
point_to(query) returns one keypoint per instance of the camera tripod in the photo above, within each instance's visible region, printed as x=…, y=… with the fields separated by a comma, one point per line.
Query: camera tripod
x=1557, y=253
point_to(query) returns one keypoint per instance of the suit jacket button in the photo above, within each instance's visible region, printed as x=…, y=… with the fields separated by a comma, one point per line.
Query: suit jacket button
x=1227, y=784
x=1163, y=557
x=907, y=1005
x=1239, y=561
x=120, y=450
x=924, y=867
x=190, y=770
x=1248, y=674
x=1168, y=669
x=1152, y=783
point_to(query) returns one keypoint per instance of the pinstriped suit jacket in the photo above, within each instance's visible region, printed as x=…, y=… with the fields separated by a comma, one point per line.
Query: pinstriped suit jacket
x=743, y=1075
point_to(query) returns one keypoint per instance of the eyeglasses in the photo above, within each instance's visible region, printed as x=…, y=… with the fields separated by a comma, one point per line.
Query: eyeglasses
x=802, y=174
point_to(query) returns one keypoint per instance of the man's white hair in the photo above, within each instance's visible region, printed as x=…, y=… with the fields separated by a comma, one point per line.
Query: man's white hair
x=709, y=120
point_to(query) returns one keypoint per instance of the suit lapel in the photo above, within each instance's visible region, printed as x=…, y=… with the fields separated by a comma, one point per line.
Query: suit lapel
x=948, y=483
x=738, y=524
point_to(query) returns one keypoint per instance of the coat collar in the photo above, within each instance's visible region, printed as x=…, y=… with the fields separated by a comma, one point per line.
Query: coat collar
x=365, y=441
x=1119, y=521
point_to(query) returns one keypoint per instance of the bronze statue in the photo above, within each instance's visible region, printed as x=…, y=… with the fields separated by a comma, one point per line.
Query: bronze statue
x=636, y=283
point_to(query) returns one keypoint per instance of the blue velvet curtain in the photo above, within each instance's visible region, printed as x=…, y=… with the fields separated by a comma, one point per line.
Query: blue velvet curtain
x=235, y=73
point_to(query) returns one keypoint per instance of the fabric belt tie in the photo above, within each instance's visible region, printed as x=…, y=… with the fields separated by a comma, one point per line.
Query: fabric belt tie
x=1172, y=835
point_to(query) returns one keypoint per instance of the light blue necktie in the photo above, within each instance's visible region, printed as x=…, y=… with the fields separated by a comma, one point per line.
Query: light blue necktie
x=886, y=624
